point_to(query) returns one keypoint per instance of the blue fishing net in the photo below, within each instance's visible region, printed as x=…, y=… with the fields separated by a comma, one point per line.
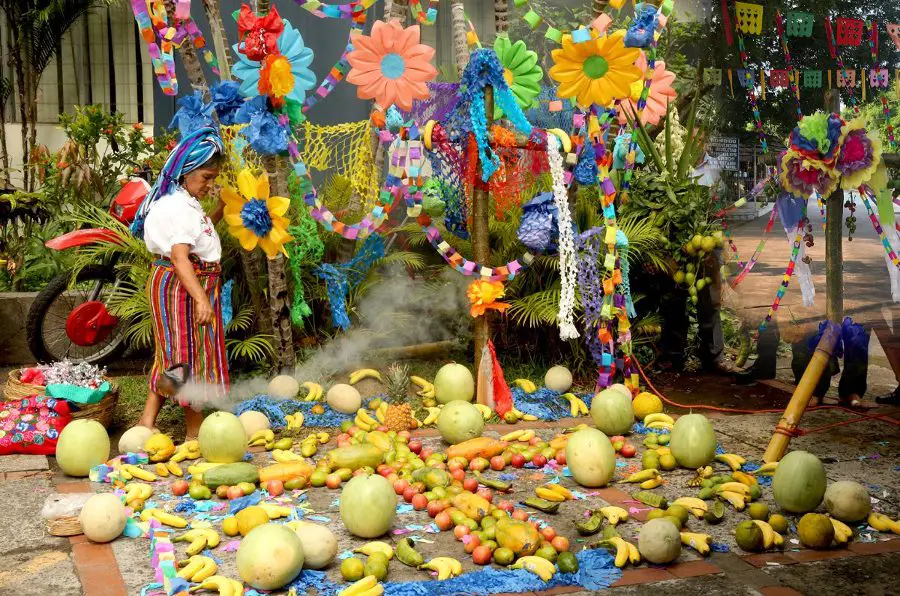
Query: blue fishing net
x=541, y=117
x=342, y=277
x=276, y=410
x=544, y=403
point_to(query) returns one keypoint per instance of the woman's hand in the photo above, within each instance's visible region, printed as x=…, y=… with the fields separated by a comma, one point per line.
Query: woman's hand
x=203, y=312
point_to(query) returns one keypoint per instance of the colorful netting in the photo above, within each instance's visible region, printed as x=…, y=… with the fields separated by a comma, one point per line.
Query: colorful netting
x=441, y=102
x=542, y=117
x=236, y=154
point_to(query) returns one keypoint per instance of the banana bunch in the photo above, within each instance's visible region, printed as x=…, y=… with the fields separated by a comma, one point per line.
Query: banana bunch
x=448, y=567
x=225, y=586
x=883, y=523
x=163, y=517
x=486, y=412
x=367, y=586
x=766, y=469
x=577, y=407
x=308, y=447
x=197, y=568
x=199, y=538
x=197, y=469
x=649, y=478
x=294, y=421
x=772, y=538
x=539, y=566
x=735, y=493
x=376, y=546
x=261, y=438
x=519, y=435
x=284, y=456
x=163, y=469
x=732, y=460
x=842, y=532
x=313, y=391
x=365, y=421
x=136, y=493
x=702, y=474
x=525, y=385
x=520, y=415
x=696, y=506
x=187, y=450
x=626, y=552
x=129, y=471
x=614, y=514
x=381, y=412
x=276, y=511
x=659, y=421
x=698, y=542
x=365, y=373
x=433, y=413
x=555, y=493
x=426, y=388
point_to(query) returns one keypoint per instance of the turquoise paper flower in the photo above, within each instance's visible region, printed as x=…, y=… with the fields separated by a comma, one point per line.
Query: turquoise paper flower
x=290, y=44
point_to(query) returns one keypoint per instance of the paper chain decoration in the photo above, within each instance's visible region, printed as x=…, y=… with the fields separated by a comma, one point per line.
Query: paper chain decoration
x=866, y=193
x=788, y=272
x=754, y=258
x=424, y=16
x=334, y=11
x=748, y=84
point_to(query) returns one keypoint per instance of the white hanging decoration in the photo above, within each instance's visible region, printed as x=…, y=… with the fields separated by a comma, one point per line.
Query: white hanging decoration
x=803, y=273
x=567, y=264
x=893, y=273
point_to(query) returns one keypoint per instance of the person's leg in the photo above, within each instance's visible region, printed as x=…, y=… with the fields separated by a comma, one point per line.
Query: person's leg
x=890, y=343
x=767, y=355
x=852, y=386
x=192, y=421
x=152, y=407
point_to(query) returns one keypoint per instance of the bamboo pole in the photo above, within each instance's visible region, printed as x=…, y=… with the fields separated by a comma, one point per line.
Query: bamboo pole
x=785, y=428
x=481, y=240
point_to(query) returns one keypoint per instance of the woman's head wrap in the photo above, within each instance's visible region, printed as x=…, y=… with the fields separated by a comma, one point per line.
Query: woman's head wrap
x=191, y=152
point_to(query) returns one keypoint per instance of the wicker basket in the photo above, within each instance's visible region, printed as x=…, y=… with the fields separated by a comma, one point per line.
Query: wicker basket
x=16, y=389
x=64, y=526
x=101, y=411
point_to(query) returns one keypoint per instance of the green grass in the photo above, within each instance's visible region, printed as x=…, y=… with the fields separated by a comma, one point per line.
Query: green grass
x=132, y=396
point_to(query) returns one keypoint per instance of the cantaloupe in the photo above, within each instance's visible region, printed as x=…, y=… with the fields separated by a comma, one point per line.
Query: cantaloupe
x=269, y=557
x=611, y=411
x=284, y=387
x=659, y=541
x=344, y=398
x=454, y=382
x=558, y=378
x=591, y=458
x=645, y=404
x=847, y=501
x=103, y=517
x=459, y=421
x=222, y=438
x=82, y=444
x=254, y=421
x=319, y=545
x=133, y=439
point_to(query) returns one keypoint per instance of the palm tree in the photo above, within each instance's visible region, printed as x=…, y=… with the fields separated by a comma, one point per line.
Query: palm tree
x=501, y=16
x=189, y=55
x=460, y=47
x=217, y=26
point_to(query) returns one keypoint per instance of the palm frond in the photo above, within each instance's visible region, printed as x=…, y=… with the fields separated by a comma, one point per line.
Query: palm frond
x=242, y=320
x=537, y=309
x=255, y=348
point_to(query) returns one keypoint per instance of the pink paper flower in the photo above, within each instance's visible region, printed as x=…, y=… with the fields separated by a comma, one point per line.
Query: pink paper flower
x=661, y=94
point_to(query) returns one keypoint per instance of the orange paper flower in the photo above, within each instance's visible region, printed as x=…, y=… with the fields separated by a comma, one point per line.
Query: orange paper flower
x=483, y=295
x=390, y=65
x=276, y=79
x=661, y=94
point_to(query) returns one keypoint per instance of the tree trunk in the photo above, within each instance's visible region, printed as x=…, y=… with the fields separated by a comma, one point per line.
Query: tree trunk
x=398, y=10
x=217, y=26
x=15, y=58
x=279, y=293
x=501, y=16
x=599, y=7
x=460, y=47
x=190, y=58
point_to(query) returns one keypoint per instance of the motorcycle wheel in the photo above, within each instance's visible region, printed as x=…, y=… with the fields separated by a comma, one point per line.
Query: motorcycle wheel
x=46, y=322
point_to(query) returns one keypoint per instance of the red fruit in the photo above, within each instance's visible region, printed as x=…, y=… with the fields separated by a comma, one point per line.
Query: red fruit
x=560, y=543
x=458, y=474
x=534, y=440
x=470, y=484
x=274, y=487
x=415, y=446
x=404, y=434
x=539, y=460
x=460, y=531
x=440, y=465
x=333, y=481
x=507, y=506
x=485, y=493
x=560, y=457
x=381, y=469
x=479, y=464
x=360, y=472
x=520, y=515
x=409, y=493
x=435, y=507
x=498, y=463
x=548, y=533
x=443, y=522
x=419, y=486
x=179, y=488
x=627, y=450
x=518, y=460
x=138, y=126
x=471, y=542
x=149, y=139
x=400, y=486
x=425, y=452
x=481, y=555
x=419, y=502
x=617, y=438
x=352, y=430
x=235, y=492
x=382, y=428
x=617, y=445
x=392, y=477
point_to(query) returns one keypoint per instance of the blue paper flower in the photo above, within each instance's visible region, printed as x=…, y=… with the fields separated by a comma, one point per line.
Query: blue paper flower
x=249, y=109
x=266, y=135
x=256, y=218
x=226, y=99
x=192, y=114
x=290, y=44
x=620, y=151
x=586, y=169
x=640, y=31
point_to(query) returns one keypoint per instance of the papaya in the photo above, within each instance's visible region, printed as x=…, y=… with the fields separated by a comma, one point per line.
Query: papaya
x=432, y=477
x=472, y=505
x=478, y=447
x=520, y=537
x=380, y=440
x=230, y=475
x=356, y=456
x=285, y=472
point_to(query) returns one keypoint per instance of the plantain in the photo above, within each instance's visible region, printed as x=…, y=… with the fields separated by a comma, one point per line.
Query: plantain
x=591, y=525
x=499, y=485
x=407, y=554
x=541, y=504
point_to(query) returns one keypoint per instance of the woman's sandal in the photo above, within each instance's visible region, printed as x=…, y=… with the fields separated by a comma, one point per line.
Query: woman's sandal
x=853, y=403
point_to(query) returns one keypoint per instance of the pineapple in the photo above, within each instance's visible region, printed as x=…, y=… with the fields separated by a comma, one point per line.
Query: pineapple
x=399, y=417
x=397, y=383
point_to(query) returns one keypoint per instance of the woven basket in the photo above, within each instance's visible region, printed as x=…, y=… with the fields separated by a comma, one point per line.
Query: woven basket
x=64, y=526
x=101, y=411
x=16, y=389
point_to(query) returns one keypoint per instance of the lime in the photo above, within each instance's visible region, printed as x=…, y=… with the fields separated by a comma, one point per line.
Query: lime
x=352, y=569
x=567, y=562
x=815, y=530
x=663, y=439
x=655, y=514
x=679, y=277
x=504, y=556
x=377, y=567
x=680, y=512
x=779, y=523
x=708, y=243
x=667, y=462
x=697, y=241
x=689, y=278
x=715, y=514
x=650, y=460
x=749, y=536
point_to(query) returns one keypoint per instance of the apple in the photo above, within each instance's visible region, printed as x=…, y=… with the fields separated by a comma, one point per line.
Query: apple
x=539, y=460
x=498, y=463
x=518, y=460
x=274, y=487
x=627, y=450
x=179, y=488
x=415, y=447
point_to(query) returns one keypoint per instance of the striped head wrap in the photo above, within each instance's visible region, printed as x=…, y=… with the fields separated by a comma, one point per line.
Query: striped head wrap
x=191, y=152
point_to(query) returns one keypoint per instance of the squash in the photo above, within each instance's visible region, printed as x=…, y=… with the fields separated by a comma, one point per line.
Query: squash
x=558, y=379
x=485, y=447
x=254, y=421
x=591, y=458
x=319, y=544
x=659, y=541
x=344, y=398
x=645, y=404
x=693, y=441
x=356, y=456
x=799, y=482
x=454, y=382
x=133, y=439
x=368, y=506
x=82, y=444
x=230, y=475
x=222, y=438
x=847, y=501
x=520, y=537
x=103, y=517
x=473, y=506
x=611, y=411
x=285, y=472
x=283, y=387
x=460, y=421
x=270, y=557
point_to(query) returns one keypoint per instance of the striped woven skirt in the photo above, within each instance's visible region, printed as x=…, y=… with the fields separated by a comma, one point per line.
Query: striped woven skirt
x=179, y=340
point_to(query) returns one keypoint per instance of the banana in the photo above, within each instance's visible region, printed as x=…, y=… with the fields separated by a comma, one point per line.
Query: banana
x=486, y=412
x=738, y=501
x=883, y=523
x=164, y=518
x=732, y=460
x=744, y=478
x=261, y=437
x=175, y=469
x=541, y=567
x=766, y=469
x=768, y=533
x=294, y=420
x=577, y=407
x=696, y=506
x=614, y=514
x=363, y=415
x=381, y=411
x=314, y=391
x=362, y=424
x=842, y=532
x=428, y=392
x=446, y=567
x=513, y=436
x=734, y=487
x=658, y=417
x=652, y=483
x=198, y=569
x=623, y=552
x=376, y=546
x=199, y=538
x=139, y=473
x=634, y=555
x=550, y=495
x=284, y=456
x=660, y=426
x=364, y=585
x=648, y=474
x=698, y=542
x=422, y=383
x=561, y=490
x=190, y=567
x=527, y=436
x=136, y=493
x=432, y=417
x=198, y=469
x=529, y=417
x=276, y=511
x=223, y=585
x=323, y=437
x=365, y=373
x=525, y=385
x=517, y=413
x=161, y=470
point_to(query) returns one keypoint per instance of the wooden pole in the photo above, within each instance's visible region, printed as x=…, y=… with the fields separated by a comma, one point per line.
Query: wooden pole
x=785, y=428
x=481, y=240
x=834, y=217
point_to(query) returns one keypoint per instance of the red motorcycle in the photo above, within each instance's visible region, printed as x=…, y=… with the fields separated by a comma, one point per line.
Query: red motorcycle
x=72, y=320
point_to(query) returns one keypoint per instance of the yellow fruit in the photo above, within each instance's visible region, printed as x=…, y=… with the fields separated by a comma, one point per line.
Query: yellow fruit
x=249, y=518
x=645, y=404
x=750, y=537
x=159, y=447
x=708, y=243
x=779, y=523
x=758, y=511
x=667, y=462
x=352, y=569
x=815, y=530
x=230, y=526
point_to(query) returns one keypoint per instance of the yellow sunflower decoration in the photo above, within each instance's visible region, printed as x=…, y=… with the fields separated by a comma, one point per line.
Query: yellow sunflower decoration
x=598, y=71
x=255, y=218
